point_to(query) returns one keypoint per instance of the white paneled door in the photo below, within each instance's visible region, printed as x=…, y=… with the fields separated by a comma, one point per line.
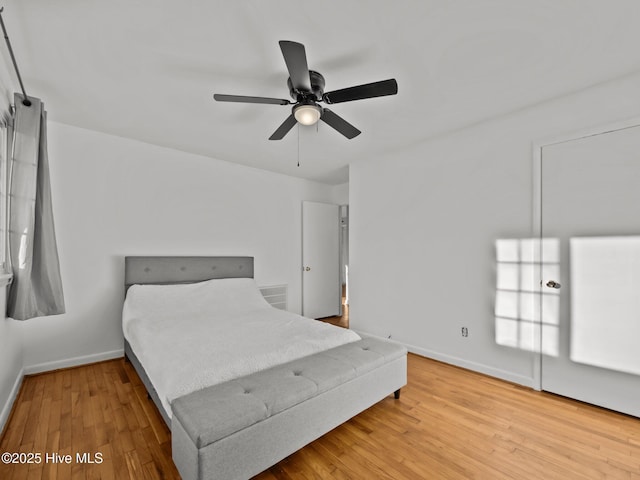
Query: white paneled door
x=590, y=203
x=320, y=260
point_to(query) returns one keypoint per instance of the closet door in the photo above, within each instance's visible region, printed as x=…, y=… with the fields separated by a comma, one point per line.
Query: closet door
x=321, y=287
x=590, y=300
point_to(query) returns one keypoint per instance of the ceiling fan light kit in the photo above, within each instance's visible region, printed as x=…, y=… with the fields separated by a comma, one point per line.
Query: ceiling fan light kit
x=307, y=113
x=306, y=87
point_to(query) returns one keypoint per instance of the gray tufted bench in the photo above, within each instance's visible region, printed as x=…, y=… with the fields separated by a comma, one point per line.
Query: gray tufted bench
x=239, y=428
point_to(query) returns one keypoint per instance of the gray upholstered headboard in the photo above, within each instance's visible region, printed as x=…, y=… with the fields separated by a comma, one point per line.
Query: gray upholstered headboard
x=164, y=270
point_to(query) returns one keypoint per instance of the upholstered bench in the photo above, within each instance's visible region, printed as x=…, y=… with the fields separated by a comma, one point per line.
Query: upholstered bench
x=239, y=428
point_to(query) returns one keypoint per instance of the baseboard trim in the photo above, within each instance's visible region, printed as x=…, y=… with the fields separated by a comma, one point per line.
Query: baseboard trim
x=11, y=400
x=469, y=365
x=73, y=362
x=46, y=367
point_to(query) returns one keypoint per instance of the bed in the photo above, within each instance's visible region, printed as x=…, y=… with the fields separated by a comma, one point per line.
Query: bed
x=229, y=373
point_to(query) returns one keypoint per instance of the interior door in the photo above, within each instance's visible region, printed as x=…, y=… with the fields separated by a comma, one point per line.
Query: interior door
x=320, y=260
x=590, y=216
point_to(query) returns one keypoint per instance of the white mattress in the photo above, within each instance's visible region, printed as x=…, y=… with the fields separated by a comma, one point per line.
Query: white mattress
x=188, y=337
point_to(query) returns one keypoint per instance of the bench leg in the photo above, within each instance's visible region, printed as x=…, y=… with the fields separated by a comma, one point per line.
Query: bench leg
x=396, y=394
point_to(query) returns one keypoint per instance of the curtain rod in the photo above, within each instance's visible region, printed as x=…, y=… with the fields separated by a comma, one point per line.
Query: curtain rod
x=26, y=102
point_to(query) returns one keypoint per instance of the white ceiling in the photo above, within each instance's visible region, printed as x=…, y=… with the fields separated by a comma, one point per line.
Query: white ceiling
x=147, y=69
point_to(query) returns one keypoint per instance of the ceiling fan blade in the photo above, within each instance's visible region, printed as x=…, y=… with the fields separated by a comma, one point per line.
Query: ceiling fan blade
x=361, y=92
x=339, y=123
x=284, y=128
x=296, y=60
x=245, y=99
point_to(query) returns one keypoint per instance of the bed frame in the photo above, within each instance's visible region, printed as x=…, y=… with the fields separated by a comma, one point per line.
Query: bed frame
x=171, y=270
x=237, y=455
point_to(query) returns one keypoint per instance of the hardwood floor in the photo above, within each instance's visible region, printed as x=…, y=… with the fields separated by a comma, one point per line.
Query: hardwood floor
x=340, y=320
x=449, y=423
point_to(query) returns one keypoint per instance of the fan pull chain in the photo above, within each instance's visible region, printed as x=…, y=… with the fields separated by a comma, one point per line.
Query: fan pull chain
x=298, y=145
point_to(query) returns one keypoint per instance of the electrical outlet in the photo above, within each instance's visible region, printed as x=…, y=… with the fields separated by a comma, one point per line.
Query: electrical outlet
x=465, y=331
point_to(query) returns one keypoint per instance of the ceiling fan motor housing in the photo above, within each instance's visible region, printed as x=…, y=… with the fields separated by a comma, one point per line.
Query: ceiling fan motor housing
x=317, y=88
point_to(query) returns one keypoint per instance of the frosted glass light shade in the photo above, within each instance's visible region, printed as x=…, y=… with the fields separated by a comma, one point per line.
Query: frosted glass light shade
x=307, y=114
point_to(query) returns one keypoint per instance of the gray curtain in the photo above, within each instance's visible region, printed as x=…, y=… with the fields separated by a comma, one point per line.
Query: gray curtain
x=36, y=290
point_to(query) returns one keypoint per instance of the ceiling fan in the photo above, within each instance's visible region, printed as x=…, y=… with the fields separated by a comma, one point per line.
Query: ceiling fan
x=306, y=87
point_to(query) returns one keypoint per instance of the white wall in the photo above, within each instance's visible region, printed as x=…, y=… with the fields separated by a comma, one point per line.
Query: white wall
x=115, y=197
x=340, y=194
x=6, y=82
x=424, y=222
x=10, y=361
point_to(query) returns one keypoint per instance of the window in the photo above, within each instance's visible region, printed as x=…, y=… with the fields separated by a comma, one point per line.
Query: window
x=4, y=188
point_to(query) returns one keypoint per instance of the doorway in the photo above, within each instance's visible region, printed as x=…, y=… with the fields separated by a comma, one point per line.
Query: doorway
x=589, y=218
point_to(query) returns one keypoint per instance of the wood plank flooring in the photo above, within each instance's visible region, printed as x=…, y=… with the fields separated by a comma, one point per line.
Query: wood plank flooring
x=449, y=423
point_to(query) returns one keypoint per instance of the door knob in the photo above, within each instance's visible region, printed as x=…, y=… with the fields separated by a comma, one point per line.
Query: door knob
x=553, y=284
x=306, y=269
